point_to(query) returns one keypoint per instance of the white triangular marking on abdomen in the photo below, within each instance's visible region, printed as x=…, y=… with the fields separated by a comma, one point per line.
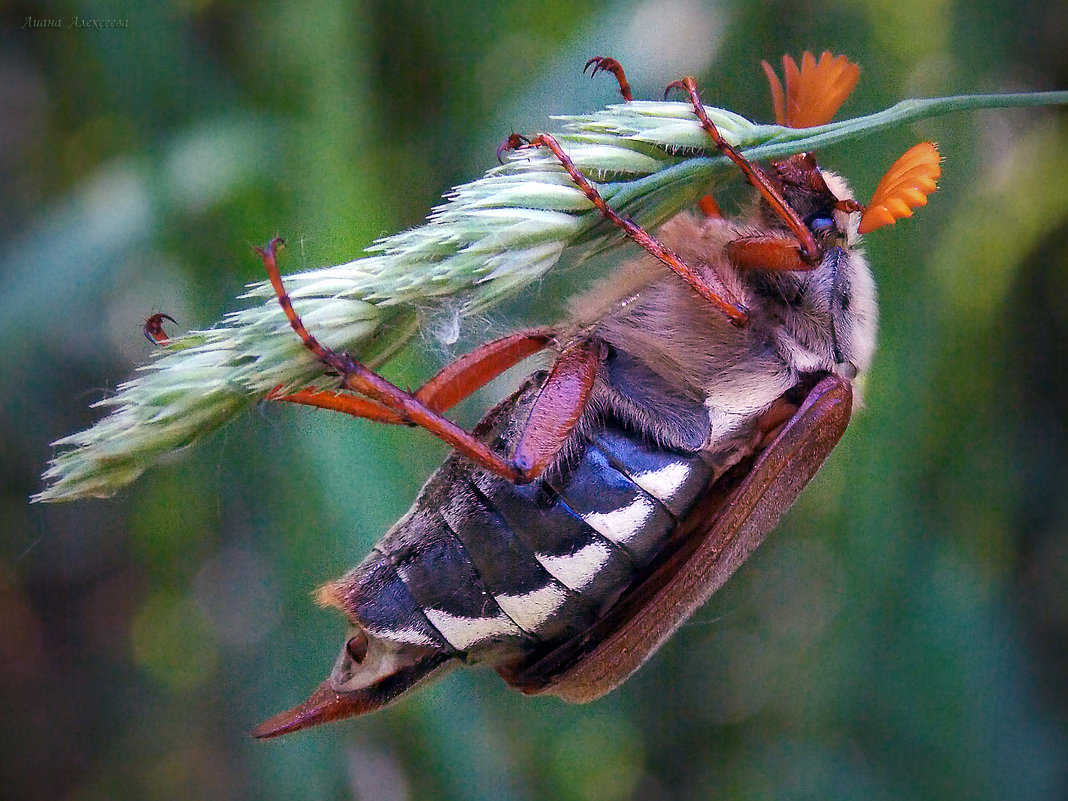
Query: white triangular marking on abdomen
x=576, y=570
x=405, y=635
x=663, y=484
x=463, y=632
x=622, y=524
x=532, y=610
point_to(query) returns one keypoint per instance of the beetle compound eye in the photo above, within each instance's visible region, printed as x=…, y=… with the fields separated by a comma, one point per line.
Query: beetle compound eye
x=356, y=648
x=847, y=370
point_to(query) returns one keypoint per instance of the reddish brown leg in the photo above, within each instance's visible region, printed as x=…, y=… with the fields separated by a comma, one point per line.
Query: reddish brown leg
x=513, y=142
x=450, y=386
x=552, y=418
x=608, y=64
x=336, y=400
x=772, y=421
x=154, y=332
x=565, y=404
x=706, y=285
x=477, y=368
x=559, y=405
x=767, y=253
x=810, y=249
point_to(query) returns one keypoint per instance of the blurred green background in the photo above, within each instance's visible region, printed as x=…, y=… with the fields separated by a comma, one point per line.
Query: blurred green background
x=903, y=635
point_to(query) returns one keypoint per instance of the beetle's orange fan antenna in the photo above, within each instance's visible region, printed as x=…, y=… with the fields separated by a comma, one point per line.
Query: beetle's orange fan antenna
x=906, y=185
x=814, y=92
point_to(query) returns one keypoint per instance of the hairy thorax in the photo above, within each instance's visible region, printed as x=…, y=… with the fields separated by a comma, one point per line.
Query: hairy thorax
x=666, y=341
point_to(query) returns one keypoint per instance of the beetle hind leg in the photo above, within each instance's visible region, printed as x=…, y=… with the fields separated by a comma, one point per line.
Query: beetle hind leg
x=555, y=414
x=451, y=385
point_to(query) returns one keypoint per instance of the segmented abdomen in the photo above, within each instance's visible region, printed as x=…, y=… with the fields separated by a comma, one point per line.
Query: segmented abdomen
x=492, y=571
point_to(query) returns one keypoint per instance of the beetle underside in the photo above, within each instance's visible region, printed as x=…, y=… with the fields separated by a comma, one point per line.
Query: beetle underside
x=710, y=542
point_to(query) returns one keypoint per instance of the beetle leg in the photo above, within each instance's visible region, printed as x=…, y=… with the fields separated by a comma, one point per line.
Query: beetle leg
x=706, y=285
x=477, y=368
x=552, y=418
x=561, y=402
x=559, y=406
x=609, y=64
x=772, y=421
x=336, y=400
x=513, y=142
x=776, y=253
x=810, y=249
x=364, y=381
x=455, y=382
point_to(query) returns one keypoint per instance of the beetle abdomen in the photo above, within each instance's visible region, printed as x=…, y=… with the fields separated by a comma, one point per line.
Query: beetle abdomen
x=493, y=571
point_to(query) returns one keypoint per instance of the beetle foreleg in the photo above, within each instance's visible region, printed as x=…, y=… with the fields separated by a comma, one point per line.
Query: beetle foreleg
x=810, y=249
x=706, y=285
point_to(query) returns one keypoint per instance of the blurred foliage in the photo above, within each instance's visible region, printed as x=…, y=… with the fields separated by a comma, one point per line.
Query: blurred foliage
x=902, y=635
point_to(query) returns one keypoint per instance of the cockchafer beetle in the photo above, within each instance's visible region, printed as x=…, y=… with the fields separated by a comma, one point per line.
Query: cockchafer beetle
x=588, y=515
